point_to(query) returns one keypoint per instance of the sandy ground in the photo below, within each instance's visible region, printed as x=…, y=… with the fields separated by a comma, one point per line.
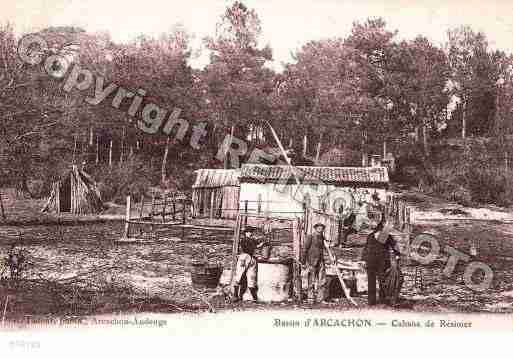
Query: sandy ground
x=91, y=272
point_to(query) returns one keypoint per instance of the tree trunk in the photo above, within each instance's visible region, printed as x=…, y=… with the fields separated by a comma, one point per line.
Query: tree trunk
x=122, y=150
x=97, y=160
x=110, y=154
x=425, y=139
x=464, y=120
x=164, y=162
x=213, y=139
x=305, y=144
x=318, y=153
x=74, y=149
x=225, y=165
x=91, y=135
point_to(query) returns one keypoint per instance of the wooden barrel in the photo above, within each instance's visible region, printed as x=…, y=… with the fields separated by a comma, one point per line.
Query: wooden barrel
x=205, y=275
x=274, y=279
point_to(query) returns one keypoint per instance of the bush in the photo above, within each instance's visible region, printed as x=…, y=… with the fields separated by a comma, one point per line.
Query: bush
x=473, y=177
x=38, y=188
x=133, y=177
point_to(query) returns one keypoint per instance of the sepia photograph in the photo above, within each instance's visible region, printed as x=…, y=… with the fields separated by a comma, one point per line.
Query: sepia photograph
x=234, y=167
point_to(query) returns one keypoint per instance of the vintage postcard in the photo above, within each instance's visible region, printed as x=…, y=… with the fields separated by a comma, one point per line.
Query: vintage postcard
x=235, y=168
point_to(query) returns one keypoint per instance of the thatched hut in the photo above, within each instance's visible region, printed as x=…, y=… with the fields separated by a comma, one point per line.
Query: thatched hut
x=215, y=193
x=75, y=193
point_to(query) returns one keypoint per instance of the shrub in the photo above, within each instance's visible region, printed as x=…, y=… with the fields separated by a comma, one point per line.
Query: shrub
x=474, y=176
x=132, y=177
x=37, y=188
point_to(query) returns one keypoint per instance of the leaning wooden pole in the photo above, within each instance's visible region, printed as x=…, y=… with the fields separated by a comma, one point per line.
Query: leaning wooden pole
x=333, y=260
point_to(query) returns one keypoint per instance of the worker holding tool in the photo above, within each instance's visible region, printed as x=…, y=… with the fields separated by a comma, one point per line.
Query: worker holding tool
x=312, y=256
x=381, y=255
x=246, y=269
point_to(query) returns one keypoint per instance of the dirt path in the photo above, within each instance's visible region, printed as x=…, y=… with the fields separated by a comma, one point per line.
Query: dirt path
x=154, y=274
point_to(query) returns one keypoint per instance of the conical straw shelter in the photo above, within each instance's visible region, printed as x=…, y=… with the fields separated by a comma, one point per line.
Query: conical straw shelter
x=75, y=193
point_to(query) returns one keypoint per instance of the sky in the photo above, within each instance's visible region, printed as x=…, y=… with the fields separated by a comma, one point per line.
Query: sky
x=286, y=24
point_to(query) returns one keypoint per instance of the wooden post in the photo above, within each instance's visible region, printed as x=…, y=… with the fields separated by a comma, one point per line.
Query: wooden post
x=142, y=207
x=245, y=213
x=259, y=203
x=152, y=210
x=174, y=209
x=127, y=218
x=212, y=200
x=296, y=249
x=340, y=224
x=408, y=236
x=235, y=247
x=305, y=215
x=164, y=205
x=58, y=196
x=183, y=212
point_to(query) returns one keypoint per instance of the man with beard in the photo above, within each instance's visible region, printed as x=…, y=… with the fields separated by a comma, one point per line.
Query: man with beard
x=312, y=257
x=382, y=255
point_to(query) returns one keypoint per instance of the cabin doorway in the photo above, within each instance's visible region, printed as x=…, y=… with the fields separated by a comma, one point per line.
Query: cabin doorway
x=65, y=195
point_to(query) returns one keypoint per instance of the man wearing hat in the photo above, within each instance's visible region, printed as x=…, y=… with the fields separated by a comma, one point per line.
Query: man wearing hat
x=381, y=254
x=246, y=270
x=312, y=256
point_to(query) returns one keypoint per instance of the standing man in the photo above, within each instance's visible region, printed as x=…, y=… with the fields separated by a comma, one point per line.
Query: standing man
x=312, y=256
x=381, y=254
x=246, y=269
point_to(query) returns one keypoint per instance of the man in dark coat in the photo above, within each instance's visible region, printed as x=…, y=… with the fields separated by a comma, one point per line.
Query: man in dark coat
x=312, y=257
x=246, y=270
x=381, y=253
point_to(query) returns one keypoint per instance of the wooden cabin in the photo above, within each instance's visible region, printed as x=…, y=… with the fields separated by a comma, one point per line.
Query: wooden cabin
x=215, y=193
x=273, y=189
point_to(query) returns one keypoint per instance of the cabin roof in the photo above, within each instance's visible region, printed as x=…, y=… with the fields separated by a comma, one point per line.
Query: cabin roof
x=331, y=175
x=212, y=178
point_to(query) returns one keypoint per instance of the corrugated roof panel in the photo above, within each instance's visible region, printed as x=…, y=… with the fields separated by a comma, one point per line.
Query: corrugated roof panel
x=263, y=173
